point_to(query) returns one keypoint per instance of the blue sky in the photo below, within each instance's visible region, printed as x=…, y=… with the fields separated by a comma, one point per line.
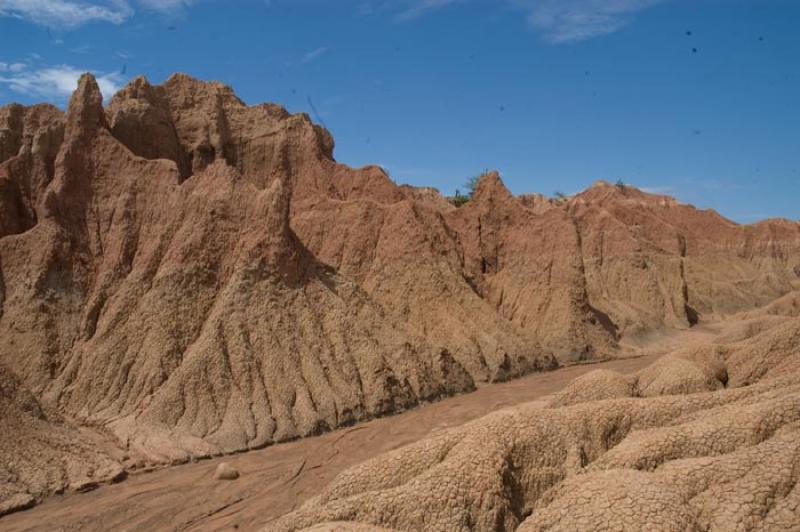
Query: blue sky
x=699, y=99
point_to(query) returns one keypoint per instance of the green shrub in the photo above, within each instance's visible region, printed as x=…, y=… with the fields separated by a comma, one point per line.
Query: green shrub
x=459, y=199
x=472, y=185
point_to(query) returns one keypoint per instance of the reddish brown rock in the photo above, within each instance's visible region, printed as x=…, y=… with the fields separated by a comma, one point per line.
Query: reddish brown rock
x=196, y=276
x=29, y=142
x=651, y=261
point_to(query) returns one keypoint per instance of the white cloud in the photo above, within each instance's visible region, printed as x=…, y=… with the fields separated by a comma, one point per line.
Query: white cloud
x=314, y=54
x=559, y=21
x=66, y=13
x=56, y=83
x=564, y=21
x=12, y=67
x=418, y=8
x=169, y=6
x=69, y=14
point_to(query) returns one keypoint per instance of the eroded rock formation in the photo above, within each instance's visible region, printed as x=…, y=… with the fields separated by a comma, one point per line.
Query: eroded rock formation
x=189, y=275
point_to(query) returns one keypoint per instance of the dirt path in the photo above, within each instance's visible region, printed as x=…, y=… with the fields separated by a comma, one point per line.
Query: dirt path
x=278, y=478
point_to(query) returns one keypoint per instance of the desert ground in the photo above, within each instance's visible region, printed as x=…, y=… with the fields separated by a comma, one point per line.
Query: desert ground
x=287, y=486
x=278, y=479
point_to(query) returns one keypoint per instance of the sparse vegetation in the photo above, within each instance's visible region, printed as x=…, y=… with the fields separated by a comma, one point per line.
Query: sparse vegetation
x=560, y=197
x=620, y=184
x=459, y=199
x=471, y=185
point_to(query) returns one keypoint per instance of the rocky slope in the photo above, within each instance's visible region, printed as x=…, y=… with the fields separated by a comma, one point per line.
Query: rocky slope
x=40, y=452
x=189, y=275
x=652, y=261
x=706, y=439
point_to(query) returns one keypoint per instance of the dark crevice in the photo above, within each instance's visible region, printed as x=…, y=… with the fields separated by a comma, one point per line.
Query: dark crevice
x=93, y=316
x=605, y=321
x=514, y=494
x=2, y=290
x=692, y=316
x=473, y=285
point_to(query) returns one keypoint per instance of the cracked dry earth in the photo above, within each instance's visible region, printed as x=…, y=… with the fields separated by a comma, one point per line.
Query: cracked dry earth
x=277, y=479
x=705, y=438
x=701, y=432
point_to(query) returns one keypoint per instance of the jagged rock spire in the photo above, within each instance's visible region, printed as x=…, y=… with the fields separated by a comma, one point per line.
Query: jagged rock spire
x=85, y=111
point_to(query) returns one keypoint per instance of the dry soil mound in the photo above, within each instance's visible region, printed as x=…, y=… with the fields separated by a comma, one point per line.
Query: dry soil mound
x=672, y=375
x=595, y=386
x=720, y=460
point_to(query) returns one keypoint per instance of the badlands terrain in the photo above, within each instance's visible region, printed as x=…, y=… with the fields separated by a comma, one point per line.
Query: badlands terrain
x=183, y=277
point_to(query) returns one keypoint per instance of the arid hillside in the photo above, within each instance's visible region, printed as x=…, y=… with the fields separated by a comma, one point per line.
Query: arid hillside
x=183, y=275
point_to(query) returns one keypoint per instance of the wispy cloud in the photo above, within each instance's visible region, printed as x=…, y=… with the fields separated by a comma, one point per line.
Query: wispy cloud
x=12, y=67
x=65, y=13
x=417, y=8
x=169, y=6
x=559, y=21
x=55, y=83
x=565, y=21
x=314, y=54
x=70, y=14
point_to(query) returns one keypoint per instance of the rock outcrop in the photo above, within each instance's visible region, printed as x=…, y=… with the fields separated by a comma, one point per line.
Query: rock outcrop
x=29, y=142
x=651, y=261
x=186, y=315
x=189, y=275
